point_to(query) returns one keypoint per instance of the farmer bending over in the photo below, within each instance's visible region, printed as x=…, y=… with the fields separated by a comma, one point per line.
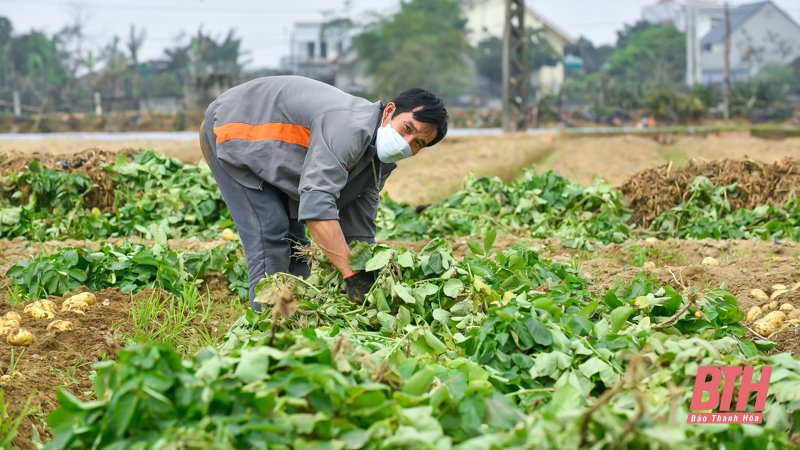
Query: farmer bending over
x=288, y=151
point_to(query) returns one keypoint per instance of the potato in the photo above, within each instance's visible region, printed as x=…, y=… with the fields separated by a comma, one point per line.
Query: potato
x=87, y=297
x=775, y=316
x=75, y=305
x=795, y=287
x=20, y=337
x=754, y=313
x=7, y=327
x=47, y=305
x=794, y=314
x=228, y=234
x=759, y=294
x=771, y=306
x=60, y=325
x=786, y=307
x=649, y=265
x=765, y=328
x=38, y=313
x=651, y=240
x=777, y=294
x=779, y=287
x=13, y=315
x=710, y=261
x=793, y=322
x=698, y=314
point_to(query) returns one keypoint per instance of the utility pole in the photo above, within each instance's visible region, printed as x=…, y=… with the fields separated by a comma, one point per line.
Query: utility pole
x=515, y=68
x=691, y=40
x=727, y=61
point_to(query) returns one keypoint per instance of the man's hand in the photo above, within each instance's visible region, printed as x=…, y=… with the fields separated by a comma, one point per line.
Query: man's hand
x=328, y=235
x=358, y=284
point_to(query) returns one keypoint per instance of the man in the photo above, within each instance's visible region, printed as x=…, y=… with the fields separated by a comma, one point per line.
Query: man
x=288, y=151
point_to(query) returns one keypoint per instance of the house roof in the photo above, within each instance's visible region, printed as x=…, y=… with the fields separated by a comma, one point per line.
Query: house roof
x=550, y=24
x=738, y=17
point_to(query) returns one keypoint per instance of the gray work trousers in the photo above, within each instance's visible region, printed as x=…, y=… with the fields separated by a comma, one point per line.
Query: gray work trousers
x=269, y=236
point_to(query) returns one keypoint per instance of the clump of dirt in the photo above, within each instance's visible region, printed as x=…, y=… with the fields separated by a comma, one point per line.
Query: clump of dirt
x=653, y=191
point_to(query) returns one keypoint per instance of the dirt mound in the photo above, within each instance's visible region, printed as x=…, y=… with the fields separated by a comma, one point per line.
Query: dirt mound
x=653, y=191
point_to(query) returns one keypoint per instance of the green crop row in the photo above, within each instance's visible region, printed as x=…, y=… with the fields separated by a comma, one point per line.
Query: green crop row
x=130, y=267
x=156, y=197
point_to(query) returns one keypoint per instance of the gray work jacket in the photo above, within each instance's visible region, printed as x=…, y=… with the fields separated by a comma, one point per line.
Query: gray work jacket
x=308, y=139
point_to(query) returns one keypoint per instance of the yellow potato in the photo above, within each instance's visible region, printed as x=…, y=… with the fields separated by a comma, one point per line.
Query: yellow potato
x=771, y=306
x=38, y=313
x=60, y=325
x=649, y=265
x=698, y=314
x=775, y=316
x=759, y=294
x=795, y=314
x=765, y=328
x=74, y=304
x=47, y=305
x=710, y=261
x=795, y=287
x=793, y=322
x=13, y=315
x=87, y=297
x=754, y=313
x=20, y=337
x=776, y=294
x=786, y=307
x=7, y=327
x=779, y=287
x=651, y=240
x=228, y=234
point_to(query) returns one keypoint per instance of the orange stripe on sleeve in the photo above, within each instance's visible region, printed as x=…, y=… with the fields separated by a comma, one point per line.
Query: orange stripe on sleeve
x=271, y=131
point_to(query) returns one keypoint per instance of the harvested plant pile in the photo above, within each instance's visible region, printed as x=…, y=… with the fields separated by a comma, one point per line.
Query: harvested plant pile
x=652, y=192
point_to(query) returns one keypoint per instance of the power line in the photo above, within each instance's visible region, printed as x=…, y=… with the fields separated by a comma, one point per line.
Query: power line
x=180, y=9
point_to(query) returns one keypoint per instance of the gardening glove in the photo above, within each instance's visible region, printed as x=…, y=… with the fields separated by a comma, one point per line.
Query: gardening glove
x=358, y=284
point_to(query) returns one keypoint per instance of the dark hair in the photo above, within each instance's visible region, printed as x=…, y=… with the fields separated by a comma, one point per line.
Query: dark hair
x=432, y=110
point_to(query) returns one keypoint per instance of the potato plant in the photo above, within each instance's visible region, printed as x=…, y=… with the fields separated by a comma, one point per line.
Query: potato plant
x=506, y=350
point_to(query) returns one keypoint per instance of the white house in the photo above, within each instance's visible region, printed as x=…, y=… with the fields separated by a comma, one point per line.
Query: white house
x=314, y=50
x=486, y=18
x=674, y=12
x=760, y=34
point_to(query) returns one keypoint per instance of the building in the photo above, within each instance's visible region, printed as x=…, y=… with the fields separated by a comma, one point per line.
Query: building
x=486, y=18
x=675, y=12
x=316, y=48
x=760, y=34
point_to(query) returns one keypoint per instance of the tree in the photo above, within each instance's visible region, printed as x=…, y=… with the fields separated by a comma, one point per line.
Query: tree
x=422, y=45
x=652, y=56
x=489, y=58
x=593, y=57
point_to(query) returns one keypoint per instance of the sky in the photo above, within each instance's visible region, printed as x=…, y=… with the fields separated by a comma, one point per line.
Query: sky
x=265, y=25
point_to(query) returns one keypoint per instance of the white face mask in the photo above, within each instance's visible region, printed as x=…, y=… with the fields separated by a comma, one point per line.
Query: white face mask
x=391, y=145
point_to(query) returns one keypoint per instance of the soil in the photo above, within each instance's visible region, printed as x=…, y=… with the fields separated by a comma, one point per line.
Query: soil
x=654, y=191
x=65, y=359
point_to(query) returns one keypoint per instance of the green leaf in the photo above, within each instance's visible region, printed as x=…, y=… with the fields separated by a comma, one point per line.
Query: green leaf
x=488, y=240
x=253, y=364
x=420, y=382
x=453, y=287
x=379, y=260
x=403, y=292
x=619, y=316
x=124, y=408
